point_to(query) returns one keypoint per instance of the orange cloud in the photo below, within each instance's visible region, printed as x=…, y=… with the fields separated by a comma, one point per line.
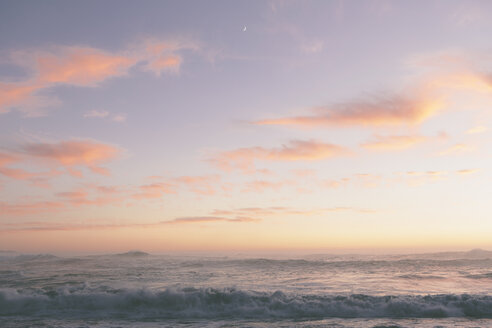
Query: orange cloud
x=163, y=56
x=466, y=171
x=380, y=111
x=393, y=142
x=477, y=130
x=457, y=149
x=202, y=185
x=261, y=186
x=76, y=153
x=6, y=159
x=335, y=183
x=14, y=94
x=260, y=212
x=36, y=178
x=207, y=219
x=80, y=66
x=155, y=190
x=164, y=63
x=296, y=150
x=81, y=197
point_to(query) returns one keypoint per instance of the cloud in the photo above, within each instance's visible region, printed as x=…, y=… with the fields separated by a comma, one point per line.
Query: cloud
x=208, y=219
x=333, y=184
x=36, y=178
x=155, y=190
x=119, y=118
x=477, y=130
x=83, y=67
x=102, y=114
x=6, y=159
x=75, y=153
x=382, y=143
x=467, y=171
x=303, y=173
x=164, y=63
x=81, y=197
x=205, y=185
x=312, y=47
x=28, y=208
x=97, y=113
x=201, y=185
x=260, y=186
x=295, y=150
x=261, y=212
x=457, y=149
x=376, y=111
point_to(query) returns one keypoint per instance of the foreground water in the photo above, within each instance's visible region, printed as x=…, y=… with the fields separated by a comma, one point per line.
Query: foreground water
x=140, y=290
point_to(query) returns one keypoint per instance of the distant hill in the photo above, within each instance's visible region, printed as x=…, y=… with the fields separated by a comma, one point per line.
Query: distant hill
x=478, y=253
x=134, y=254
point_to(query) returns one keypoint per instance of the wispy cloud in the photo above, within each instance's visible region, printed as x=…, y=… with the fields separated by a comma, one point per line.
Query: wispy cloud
x=74, y=153
x=25, y=208
x=280, y=211
x=154, y=190
x=104, y=114
x=208, y=219
x=69, y=156
x=477, y=130
x=82, y=197
x=83, y=67
x=96, y=113
x=457, y=149
x=394, y=142
x=467, y=171
x=374, y=111
x=260, y=186
x=201, y=185
x=295, y=150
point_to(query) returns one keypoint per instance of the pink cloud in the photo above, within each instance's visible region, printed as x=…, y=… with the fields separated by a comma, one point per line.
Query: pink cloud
x=380, y=111
x=97, y=113
x=84, y=67
x=80, y=66
x=82, y=197
x=296, y=150
x=260, y=186
x=76, y=153
x=155, y=190
x=398, y=142
x=202, y=185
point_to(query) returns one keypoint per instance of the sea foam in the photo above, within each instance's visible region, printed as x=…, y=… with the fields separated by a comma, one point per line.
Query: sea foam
x=204, y=303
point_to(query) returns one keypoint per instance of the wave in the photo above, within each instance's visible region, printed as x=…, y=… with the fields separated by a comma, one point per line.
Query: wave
x=29, y=257
x=208, y=303
x=133, y=254
x=480, y=276
x=342, y=264
x=419, y=277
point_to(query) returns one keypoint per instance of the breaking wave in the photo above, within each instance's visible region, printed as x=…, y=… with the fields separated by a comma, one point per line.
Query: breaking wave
x=208, y=303
x=480, y=276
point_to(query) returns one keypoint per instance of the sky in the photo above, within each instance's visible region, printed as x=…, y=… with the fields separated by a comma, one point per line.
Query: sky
x=170, y=126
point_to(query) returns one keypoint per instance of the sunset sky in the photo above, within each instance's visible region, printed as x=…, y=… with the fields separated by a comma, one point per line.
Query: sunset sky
x=245, y=125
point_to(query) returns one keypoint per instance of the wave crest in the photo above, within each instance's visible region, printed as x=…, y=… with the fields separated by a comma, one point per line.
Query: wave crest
x=231, y=303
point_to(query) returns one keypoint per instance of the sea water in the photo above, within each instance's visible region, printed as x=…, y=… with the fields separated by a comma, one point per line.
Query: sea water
x=136, y=289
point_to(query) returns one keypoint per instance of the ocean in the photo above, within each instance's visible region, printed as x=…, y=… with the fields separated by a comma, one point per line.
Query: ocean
x=137, y=289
